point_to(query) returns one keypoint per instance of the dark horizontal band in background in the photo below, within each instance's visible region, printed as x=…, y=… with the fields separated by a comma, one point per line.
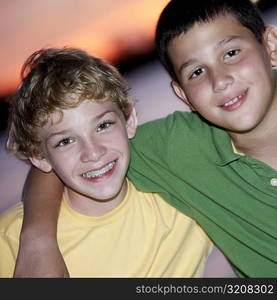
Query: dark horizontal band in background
x=142, y=288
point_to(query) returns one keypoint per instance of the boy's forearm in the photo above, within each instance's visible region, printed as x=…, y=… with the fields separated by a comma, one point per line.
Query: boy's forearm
x=38, y=253
x=42, y=195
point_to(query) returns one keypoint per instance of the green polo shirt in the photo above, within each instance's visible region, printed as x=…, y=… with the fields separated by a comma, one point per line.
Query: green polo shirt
x=192, y=165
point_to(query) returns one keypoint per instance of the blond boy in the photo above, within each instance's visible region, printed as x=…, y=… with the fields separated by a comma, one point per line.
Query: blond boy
x=72, y=115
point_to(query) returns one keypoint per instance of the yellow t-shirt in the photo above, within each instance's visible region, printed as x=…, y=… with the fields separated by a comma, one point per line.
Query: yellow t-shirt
x=142, y=237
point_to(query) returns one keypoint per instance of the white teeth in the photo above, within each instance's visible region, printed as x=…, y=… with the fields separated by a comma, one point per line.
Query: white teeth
x=232, y=101
x=101, y=172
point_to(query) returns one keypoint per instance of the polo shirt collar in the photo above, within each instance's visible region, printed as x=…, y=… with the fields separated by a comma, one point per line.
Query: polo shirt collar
x=224, y=147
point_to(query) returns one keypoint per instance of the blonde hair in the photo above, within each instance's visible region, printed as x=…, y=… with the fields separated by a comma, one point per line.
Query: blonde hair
x=56, y=79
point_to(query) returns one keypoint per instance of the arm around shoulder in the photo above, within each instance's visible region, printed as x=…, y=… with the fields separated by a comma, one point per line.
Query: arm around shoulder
x=39, y=254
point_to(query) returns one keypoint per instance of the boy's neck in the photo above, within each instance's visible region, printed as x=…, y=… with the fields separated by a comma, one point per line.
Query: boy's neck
x=261, y=142
x=259, y=145
x=94, y=207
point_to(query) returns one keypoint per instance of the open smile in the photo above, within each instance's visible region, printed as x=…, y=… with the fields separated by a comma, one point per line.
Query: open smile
x=99, y=173
x=234, y=103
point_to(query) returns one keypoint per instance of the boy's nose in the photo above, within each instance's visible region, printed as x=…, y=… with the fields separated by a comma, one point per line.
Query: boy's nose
x=92, y=151
x=221, y=79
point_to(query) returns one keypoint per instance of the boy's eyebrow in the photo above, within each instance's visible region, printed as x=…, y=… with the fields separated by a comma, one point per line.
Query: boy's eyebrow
x=185, y=65
x=219, y=44
x=227, y=40
x=64, y=132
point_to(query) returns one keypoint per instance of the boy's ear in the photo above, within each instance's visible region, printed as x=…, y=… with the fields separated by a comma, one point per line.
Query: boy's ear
x=180, y=93
x=270, y=39
x=132, y=124
x=41, y=163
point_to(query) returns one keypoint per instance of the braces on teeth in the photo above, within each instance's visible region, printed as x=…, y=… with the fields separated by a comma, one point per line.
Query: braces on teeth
x=98, y=173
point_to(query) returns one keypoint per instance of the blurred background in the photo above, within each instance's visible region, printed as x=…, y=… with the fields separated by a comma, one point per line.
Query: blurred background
x=121, y=32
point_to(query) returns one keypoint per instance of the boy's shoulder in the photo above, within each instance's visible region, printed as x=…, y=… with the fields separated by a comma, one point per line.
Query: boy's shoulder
x=189, y=123
x=182, y=133
x=11, y=220
x=176, y=117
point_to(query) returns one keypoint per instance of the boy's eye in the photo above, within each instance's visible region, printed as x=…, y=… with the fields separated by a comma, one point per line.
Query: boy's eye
x=196, y=73
x=232, y=53
x=104, y=125
x=64, y=142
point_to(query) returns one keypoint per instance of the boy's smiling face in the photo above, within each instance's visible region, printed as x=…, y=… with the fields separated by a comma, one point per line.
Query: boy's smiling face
x=88, y=149
x=224, y=73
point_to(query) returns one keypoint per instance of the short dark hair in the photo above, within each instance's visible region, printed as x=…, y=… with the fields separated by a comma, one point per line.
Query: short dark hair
x=180, y=15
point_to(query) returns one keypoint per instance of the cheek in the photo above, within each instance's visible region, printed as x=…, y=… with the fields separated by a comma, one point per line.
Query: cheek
x=64, y=165
x=67, y=175
x=255, y=66
x=256, y=74
x=248, y=66
x=197, y=94
x=120, y=143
